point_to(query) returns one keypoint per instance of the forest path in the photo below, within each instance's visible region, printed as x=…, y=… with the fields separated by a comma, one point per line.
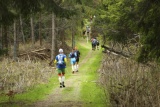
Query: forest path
x=70, y=95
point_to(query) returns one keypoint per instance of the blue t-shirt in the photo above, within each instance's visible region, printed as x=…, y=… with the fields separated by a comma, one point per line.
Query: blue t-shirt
x=77, y=54
x=94, y=41
x=60, y=61
x=72, y=56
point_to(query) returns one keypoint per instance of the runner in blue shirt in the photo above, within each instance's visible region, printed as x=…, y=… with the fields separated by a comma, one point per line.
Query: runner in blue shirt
x=72, y=57
x=60, y=62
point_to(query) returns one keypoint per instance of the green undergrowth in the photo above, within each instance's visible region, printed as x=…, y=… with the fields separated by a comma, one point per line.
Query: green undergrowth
x=33, y=94
x=39, y=92
x=92, y=93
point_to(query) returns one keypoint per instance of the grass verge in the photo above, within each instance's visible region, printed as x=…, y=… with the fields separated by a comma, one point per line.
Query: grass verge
x=37, y=93
x=91, y=93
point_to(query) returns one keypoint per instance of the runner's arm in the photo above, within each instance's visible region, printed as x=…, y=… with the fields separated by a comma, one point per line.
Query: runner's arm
x=65, y=60
x=79, y=53
x=55, y=61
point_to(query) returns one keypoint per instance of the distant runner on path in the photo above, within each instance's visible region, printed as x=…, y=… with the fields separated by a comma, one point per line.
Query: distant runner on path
x=93, y=42
x=77, y=53
x=60, y=61
x=72, y=57
x=97, y=44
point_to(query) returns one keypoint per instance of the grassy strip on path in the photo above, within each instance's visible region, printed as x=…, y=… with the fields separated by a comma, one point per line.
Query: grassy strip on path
x=91, y=93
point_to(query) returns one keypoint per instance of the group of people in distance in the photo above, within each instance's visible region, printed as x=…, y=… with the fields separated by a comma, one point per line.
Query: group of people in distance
x=61, y=61
x=95, y=44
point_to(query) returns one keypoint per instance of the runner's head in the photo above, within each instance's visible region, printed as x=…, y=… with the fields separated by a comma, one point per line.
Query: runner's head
x=60, y=50
x=75, y=48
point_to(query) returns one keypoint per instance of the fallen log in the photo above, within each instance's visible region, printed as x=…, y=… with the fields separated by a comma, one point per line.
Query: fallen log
x=110, y=50
x=114, y=51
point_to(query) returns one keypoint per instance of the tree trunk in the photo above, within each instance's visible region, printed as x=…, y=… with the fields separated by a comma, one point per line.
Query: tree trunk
x=18, y=33
x=53, y=50
x=40, y=28
x=32, y=31
x=21, y=27
x=10, y=38
x=5, y=38
x=1, y=37
x=15, y=42
x=62, y=36
x=73, y=39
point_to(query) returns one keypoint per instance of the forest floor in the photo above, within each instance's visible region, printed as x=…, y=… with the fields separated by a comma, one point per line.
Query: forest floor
x=70, y=95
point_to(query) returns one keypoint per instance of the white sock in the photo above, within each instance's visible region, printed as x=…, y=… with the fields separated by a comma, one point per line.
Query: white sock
x=60, y=79
x=77, y=66
x=63, y=78
x=72, y=67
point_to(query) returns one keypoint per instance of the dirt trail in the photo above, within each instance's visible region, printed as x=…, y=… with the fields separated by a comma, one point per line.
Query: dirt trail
x=68, y=96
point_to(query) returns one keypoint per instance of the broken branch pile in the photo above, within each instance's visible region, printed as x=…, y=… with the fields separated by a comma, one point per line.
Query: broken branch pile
x=42, y=54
